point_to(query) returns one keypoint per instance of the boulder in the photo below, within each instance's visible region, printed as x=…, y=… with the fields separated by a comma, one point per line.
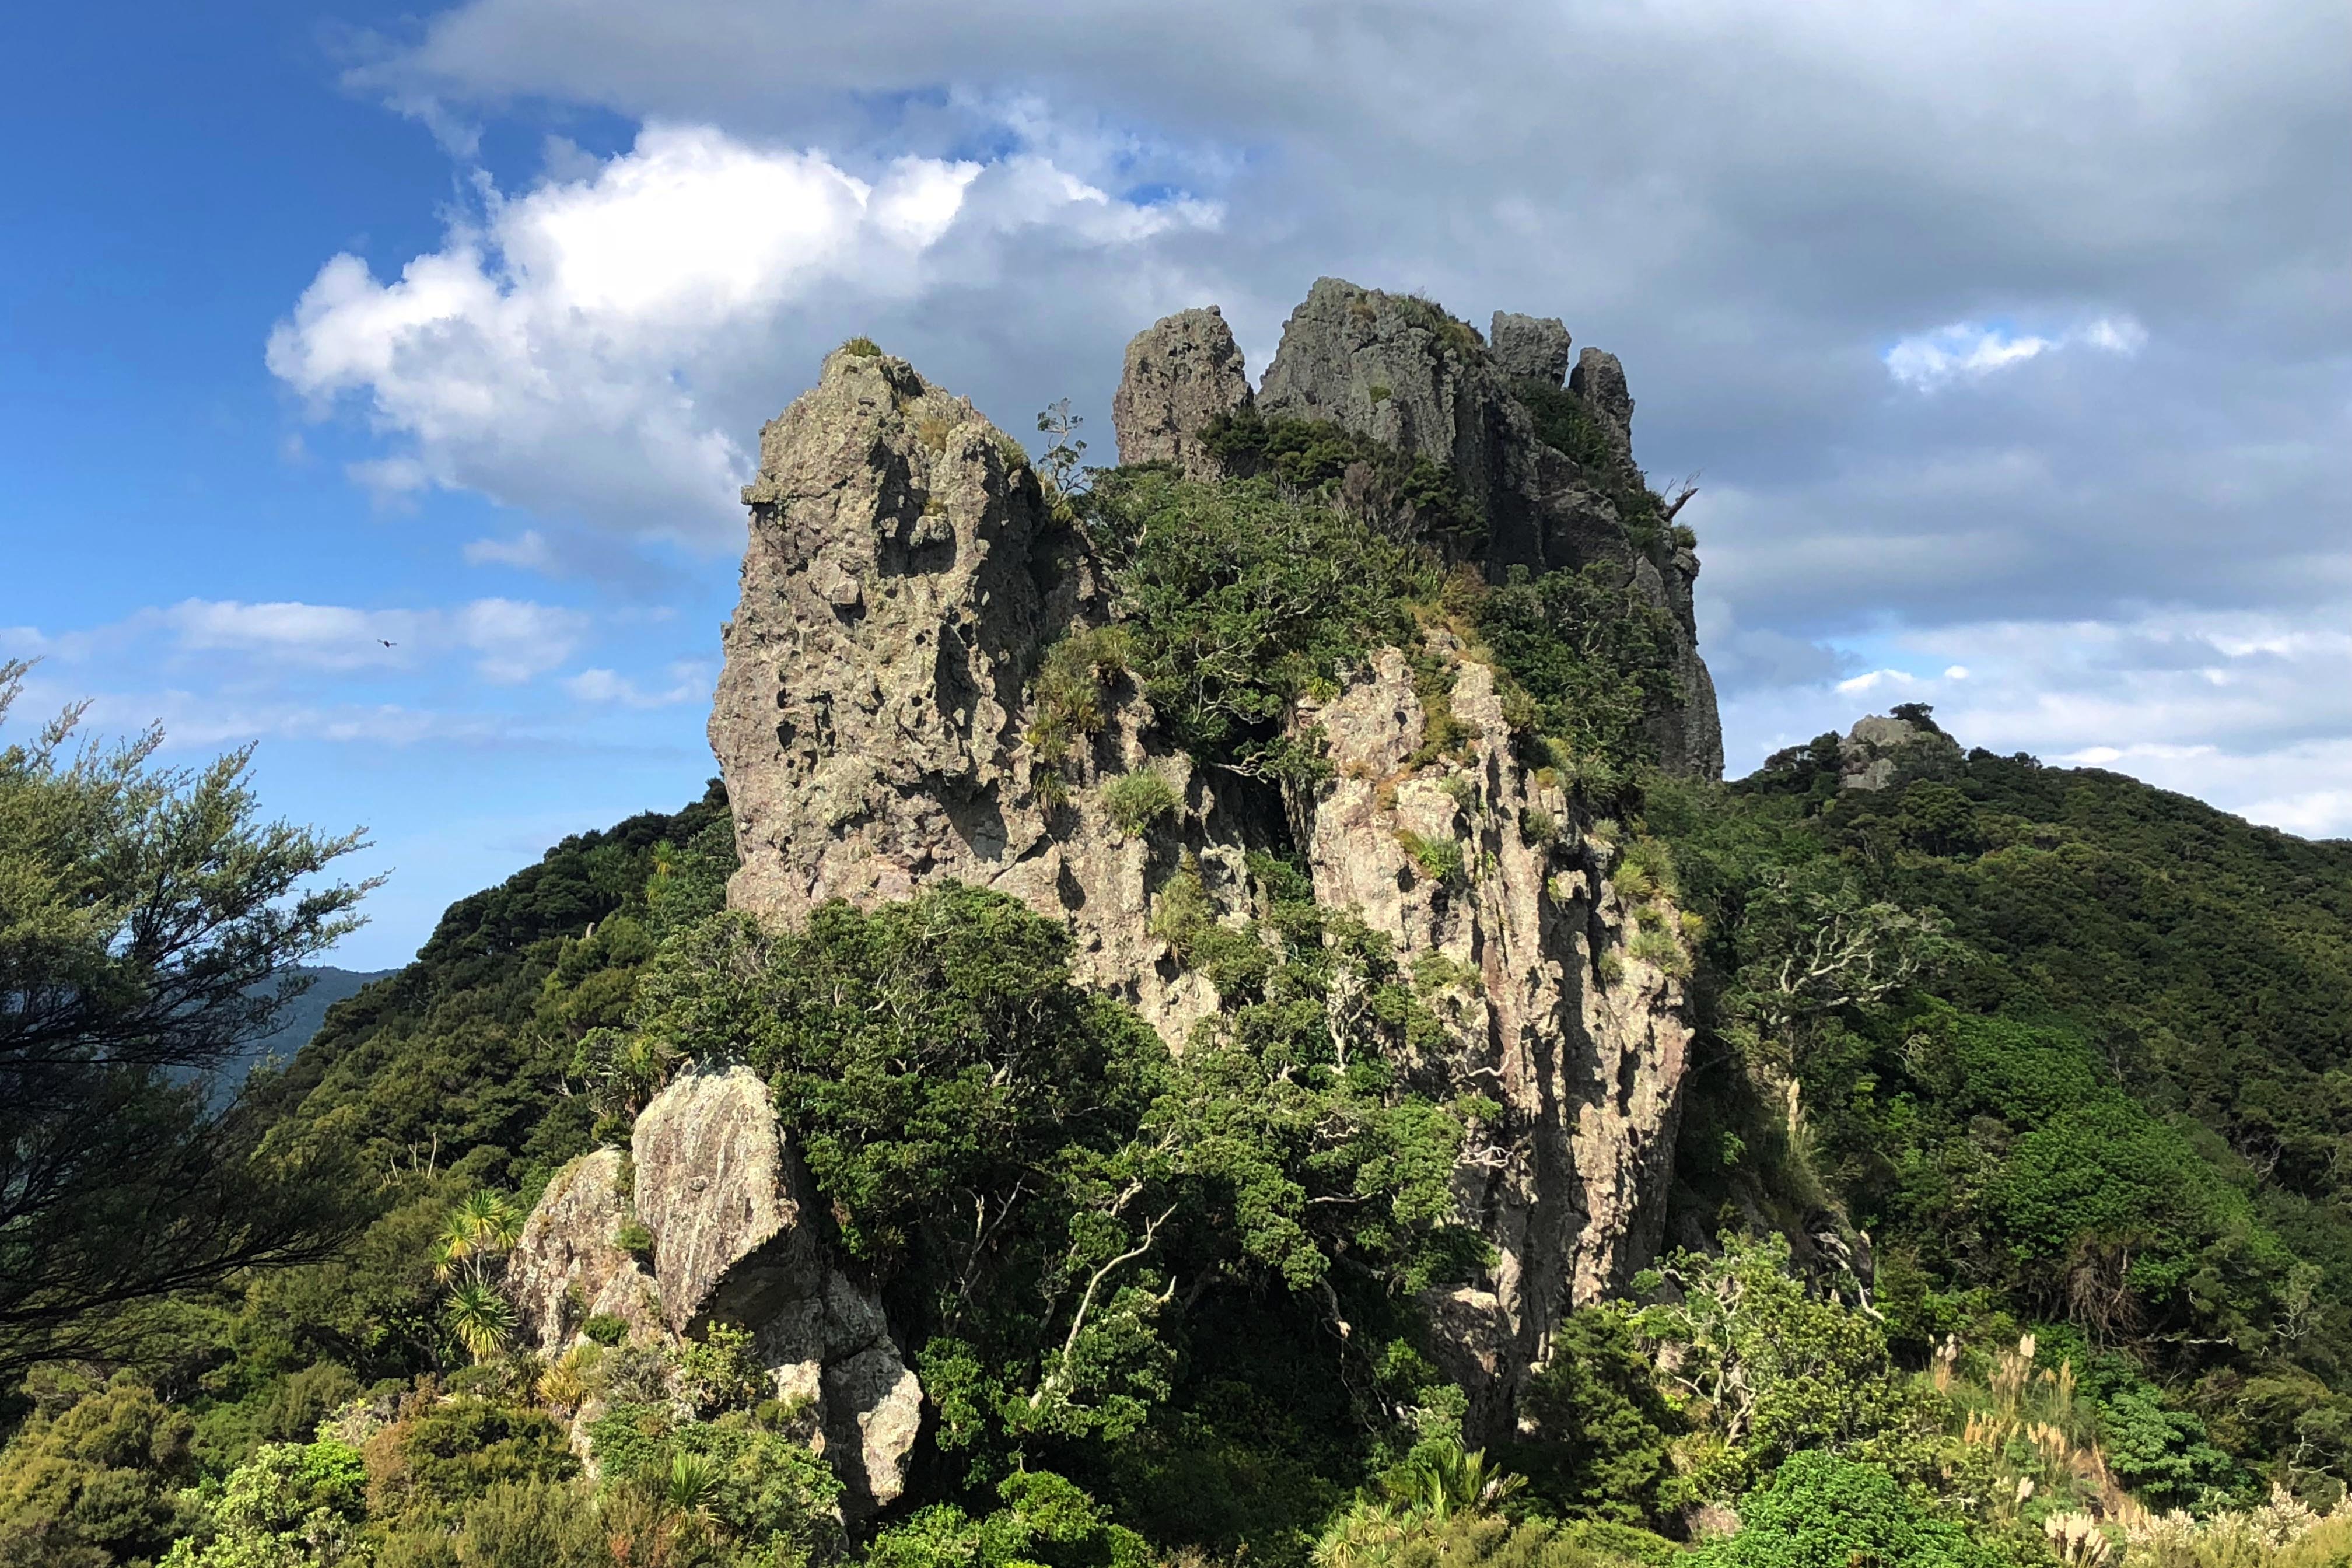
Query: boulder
x=1882, y=750
x=728, y=1207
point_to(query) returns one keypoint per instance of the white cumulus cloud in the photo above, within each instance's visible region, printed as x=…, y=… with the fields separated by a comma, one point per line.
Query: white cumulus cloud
x=571, y=350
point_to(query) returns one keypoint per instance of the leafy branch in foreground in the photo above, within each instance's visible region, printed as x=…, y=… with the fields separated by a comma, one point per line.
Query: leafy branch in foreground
x=147, y=922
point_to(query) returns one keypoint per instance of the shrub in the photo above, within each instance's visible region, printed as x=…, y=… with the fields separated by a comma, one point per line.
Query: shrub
x=1135, y=801
x=634, y=1238
x=862, y=347
x=95, y=1481
x=1438, y=860
x=1537, y=827
x=1822, y=1509
x=607, y=1328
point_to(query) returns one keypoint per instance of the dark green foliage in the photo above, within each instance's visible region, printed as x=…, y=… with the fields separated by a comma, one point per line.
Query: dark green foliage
x=1821, y=1511
x=1600, y=1429
x=1564, y=423
x=763, y=1487
x=1591, y=650
x=861, y=347
x=1400, y=496
x=92, y=1482
x=532, y=1524
x=1238, y=597
x=425, y=1467
x=606, y=1329
x=2123, y=1113
x=150, y=922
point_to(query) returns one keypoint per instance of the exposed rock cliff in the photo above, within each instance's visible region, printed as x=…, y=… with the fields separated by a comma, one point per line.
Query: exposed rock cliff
x=1583, y=1043
x=903, y=577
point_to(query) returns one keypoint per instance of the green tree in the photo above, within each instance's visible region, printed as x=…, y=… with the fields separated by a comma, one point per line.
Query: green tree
x=93, y=1483
x=292, y=1505
x=147, y=919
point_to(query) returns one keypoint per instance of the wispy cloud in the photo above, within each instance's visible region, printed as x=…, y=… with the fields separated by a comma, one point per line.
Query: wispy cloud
x=510, y=640
x=688, y=682
x=1972, y=350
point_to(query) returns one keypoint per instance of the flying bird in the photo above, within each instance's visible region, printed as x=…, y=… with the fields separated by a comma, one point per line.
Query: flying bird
x=387, y=641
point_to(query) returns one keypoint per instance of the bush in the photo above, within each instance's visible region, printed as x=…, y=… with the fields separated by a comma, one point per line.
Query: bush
x=862, y=347
x=1438, y=860
x=1821, y=1511
x=634, y=1238
x=607, y=1328
x=1135, y=801
x=95, y=1482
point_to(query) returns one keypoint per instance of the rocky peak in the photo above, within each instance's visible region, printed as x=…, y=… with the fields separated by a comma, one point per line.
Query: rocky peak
x=879, y=729
x=1181, y=372
x=1531, y=347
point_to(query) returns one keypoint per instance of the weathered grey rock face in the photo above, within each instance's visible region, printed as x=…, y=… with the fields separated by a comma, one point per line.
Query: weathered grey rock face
x=1532, y=346
x=567, y=1267
x=726, y=1202
x=1881, y=751
x=1403, y=371
x=870, y=720
x=1181, y=372
x=1567, y=1185
x=1600, y=379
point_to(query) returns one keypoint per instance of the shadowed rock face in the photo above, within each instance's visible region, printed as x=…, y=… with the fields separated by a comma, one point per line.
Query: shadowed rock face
x=1529, y=346
x=902, y=579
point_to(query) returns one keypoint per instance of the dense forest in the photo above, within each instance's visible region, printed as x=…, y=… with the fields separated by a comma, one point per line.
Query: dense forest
x=2009, y=1220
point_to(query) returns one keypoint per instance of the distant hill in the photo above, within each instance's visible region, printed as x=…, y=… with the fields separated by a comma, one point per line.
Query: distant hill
x=301, y=1020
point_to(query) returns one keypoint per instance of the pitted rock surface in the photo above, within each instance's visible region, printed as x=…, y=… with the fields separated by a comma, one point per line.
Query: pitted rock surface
x=1181, y=372
x=1569, y=1187
x=566, y=1268
x=875, y=749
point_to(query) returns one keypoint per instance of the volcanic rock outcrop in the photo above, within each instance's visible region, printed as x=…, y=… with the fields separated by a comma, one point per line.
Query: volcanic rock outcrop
x=711, y=1178
x=904, y=576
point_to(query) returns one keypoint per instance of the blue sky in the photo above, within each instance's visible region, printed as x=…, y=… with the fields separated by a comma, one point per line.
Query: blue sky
x=2011, y=344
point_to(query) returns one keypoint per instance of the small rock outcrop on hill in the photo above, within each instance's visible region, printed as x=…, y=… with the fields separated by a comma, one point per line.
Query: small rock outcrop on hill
x=875, y=719
x=1883, y=750
x=709, y=1175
